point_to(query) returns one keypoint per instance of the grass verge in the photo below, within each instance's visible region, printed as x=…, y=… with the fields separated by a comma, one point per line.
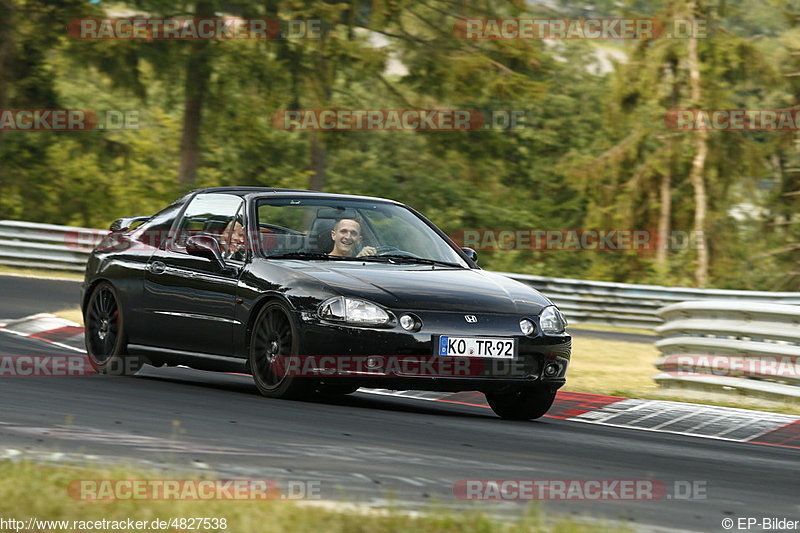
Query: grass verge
x=40, y=273
x=34, y=491
x=74, y=315
x=614, y=329
x=626, y=369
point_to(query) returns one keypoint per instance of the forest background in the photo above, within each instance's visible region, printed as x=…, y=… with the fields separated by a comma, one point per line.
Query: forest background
x=592, y=148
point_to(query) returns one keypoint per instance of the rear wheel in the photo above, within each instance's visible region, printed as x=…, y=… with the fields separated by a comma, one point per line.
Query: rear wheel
x=273, y=342
x=524, y=404
x=104, y=335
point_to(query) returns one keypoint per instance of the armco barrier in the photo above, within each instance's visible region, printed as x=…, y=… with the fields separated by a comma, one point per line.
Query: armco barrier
x=46, y=246
x=631, y=305
x=49, y=246
x=751, y=349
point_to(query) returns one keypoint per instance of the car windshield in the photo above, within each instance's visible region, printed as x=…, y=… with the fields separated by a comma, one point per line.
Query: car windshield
x=336, y=229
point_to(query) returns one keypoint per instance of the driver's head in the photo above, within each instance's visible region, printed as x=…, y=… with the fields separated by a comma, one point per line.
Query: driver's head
x=346, y=235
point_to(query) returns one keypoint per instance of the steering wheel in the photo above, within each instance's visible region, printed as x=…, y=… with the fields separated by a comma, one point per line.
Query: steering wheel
x=392, y=250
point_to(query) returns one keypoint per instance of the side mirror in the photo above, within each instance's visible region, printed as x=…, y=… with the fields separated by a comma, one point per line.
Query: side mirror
x=472, y=254
x=207, y=247
x=124, y=224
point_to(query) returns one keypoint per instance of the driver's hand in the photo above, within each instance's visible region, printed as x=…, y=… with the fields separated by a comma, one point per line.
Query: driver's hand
x=367, y=250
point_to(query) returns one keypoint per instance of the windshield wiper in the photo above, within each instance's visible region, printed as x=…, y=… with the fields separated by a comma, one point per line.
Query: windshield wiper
x=410, y=259
x=310, y=255
x=386, y=258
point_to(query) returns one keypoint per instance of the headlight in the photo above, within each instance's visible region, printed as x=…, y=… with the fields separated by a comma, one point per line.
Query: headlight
x=552, y=321
x=353, y=311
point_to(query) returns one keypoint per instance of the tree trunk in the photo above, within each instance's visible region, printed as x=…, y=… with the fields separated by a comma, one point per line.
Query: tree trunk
x=6, y=53
x=6, y=49
x=198, y=73
x=664, y=216
x=696, y=177
x=321, y=94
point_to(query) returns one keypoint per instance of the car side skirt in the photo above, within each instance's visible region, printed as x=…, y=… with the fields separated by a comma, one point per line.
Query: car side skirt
x=201, y=361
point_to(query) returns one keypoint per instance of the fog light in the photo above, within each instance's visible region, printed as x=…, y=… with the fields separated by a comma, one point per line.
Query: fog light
x=526, y=326
x=410, y=323
x=551, y=370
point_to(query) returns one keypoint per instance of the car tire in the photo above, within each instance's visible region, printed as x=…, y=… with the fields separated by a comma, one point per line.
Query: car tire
x=524, y=404
x=104, y=333
x=273, y=338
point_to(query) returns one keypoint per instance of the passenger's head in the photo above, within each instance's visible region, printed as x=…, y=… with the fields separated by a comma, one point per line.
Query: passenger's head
x=233, y=237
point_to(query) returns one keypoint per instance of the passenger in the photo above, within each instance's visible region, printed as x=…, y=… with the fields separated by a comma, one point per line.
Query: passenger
x=232, y=242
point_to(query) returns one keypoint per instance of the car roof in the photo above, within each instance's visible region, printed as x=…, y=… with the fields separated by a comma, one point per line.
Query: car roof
x=255, y=191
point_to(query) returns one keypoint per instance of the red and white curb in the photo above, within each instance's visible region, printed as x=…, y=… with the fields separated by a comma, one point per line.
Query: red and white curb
x=48, y=328
x=706, y=421
x=696, y=420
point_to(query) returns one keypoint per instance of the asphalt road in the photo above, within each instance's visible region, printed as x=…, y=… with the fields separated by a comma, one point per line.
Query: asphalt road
x=370, y=448
x=21, y=296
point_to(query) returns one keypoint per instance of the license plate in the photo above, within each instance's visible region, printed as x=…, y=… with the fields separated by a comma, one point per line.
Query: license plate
x=500, y=348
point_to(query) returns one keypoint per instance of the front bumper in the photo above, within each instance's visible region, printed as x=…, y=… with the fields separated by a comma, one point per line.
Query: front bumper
x=401, y=360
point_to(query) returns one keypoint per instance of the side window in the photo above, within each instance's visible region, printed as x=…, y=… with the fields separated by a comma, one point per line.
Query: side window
x=286, y=218
x=155, y=231
x=284, y=227
x=214, y=215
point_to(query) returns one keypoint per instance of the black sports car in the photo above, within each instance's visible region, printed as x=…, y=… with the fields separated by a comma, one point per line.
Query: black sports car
x=318, y=293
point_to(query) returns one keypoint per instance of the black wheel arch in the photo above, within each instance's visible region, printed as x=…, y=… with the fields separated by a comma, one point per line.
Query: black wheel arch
x=89, y=289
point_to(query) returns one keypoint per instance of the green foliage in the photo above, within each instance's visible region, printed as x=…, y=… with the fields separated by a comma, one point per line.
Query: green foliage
x=591, y=152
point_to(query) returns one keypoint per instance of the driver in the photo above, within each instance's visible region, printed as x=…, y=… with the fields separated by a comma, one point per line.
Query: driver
x=346, y=235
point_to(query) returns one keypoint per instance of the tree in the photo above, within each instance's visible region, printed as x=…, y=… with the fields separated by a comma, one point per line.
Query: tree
x=643, y=165
x=197, y=76
x=697, y=174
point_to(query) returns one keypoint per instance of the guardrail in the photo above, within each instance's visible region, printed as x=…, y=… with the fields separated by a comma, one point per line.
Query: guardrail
x=48, y=246
x=716, y=346
x=631, y=305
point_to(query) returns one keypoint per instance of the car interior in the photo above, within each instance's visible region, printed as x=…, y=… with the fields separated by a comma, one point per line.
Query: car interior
x=277, y=239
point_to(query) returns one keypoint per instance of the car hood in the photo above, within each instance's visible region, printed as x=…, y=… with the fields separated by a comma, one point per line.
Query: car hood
x=419, y=287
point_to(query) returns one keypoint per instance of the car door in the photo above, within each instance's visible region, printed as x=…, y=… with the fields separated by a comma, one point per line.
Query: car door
x=188, y=300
